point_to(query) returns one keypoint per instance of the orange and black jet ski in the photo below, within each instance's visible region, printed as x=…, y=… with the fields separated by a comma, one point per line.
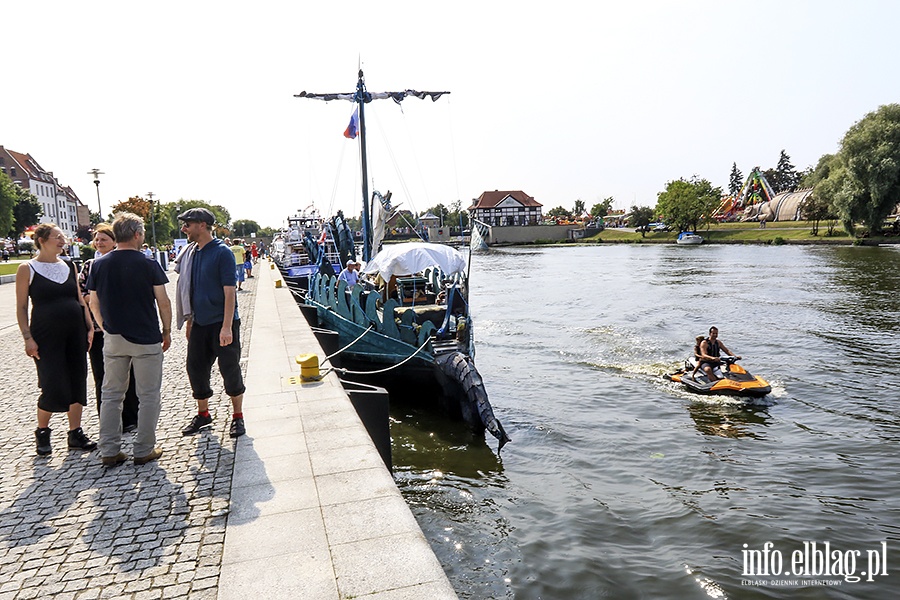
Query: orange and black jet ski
x=733, y=380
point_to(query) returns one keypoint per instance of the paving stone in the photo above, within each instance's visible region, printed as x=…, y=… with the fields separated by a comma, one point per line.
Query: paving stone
x=66, y=518
x=176, y=591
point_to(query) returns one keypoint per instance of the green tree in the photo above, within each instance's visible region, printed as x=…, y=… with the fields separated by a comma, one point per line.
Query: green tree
x=687, y=204
x=818, y=206
x=735, y=181
x=579, y=208
x=865, y=187
x=20, y=208
x=602, y=208
x=640, y=217
x=457, y=215
x=559, y=212
x=244, y=227
x=8, y=199
x=168, y=226
x=785, y=174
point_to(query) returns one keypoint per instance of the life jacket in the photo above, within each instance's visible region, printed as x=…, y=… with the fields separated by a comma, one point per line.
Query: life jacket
x=713, y=348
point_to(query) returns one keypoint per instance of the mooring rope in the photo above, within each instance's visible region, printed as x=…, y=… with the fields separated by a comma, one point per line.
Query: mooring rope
x=385, y=370
x=330, y=356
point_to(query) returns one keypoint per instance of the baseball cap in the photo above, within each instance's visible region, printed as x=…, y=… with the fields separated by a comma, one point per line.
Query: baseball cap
x=199, y=214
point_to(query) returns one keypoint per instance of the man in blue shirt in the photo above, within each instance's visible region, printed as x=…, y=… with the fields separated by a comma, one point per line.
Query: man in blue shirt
x=213, y=324
x=126, y=290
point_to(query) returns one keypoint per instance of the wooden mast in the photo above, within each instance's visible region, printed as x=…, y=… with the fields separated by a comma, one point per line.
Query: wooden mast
x=361, y=98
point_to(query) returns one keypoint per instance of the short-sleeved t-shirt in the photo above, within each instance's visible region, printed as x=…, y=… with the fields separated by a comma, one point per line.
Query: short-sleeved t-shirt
x=124, y=282
x=239, y=254
x=211, y=270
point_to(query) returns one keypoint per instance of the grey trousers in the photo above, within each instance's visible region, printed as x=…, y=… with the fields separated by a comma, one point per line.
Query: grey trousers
x=119, y=355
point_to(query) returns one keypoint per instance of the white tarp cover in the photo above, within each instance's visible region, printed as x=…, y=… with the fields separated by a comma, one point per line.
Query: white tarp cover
x=413, y=257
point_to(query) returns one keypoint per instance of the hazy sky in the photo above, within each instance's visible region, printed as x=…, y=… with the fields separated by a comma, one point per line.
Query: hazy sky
x=564, y=100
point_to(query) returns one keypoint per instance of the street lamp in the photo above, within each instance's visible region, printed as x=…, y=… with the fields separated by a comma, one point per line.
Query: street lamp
x=97, y=173
x=152, y=219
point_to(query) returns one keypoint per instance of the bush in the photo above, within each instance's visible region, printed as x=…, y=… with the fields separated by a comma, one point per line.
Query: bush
x=778, y=241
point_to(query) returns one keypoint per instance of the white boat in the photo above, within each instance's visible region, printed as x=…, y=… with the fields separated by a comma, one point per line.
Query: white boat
x=689, y=238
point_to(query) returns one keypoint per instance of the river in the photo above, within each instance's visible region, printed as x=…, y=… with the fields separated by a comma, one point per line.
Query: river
x=617, y=483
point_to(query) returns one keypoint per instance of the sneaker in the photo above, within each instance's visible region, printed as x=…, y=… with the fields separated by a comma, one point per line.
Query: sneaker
x=114, y=461
x=143, y=460
x=79, y=441
x=197, y=423
x=237, y=428
x=42, y=437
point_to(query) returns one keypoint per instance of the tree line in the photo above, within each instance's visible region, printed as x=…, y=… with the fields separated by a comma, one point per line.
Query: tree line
x=860, y=184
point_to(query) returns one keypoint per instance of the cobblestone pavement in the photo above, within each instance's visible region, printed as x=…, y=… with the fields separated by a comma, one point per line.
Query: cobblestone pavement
x=71, y=529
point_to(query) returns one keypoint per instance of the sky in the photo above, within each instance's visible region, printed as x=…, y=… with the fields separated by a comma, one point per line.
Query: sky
x=564, y=100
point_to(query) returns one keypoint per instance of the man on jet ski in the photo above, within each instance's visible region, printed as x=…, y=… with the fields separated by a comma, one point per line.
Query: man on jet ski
x=710, y=351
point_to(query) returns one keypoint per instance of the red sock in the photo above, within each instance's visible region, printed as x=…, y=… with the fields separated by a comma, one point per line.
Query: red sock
x=203, y=413
x=239, y=415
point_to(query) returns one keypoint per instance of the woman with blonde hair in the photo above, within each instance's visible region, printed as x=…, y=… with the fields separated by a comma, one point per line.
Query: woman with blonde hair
x=57, y=337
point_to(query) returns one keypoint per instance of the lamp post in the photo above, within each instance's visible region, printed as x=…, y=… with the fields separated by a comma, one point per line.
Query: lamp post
x=152, y=219
x=97, y=173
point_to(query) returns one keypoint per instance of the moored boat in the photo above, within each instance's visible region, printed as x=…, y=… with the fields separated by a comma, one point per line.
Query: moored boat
x=405, y=324
x=689, y=238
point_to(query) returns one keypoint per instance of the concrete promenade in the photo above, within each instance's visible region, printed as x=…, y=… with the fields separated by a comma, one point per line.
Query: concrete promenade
x=301, y=507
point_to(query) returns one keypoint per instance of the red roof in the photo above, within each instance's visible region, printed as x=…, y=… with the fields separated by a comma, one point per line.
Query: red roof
x=492, y=199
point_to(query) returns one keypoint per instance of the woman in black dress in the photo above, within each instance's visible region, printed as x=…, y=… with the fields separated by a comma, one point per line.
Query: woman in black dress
x=58, y=336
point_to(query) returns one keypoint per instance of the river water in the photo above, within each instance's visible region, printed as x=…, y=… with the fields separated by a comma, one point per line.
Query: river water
x=618, y=484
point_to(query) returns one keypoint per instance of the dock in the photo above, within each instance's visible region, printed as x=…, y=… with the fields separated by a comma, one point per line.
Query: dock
x=301, y=507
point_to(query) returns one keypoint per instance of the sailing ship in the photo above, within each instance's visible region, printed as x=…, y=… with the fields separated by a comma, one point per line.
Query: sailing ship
x=406, y=323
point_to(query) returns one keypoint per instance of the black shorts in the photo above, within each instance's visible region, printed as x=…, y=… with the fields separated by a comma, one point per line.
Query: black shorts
x=204, y=349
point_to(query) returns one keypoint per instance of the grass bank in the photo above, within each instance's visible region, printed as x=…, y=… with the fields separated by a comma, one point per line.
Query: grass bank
x=792, y=232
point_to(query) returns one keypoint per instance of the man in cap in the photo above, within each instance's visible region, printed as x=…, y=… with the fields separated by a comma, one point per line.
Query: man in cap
x=350, y=273
x=213, y=324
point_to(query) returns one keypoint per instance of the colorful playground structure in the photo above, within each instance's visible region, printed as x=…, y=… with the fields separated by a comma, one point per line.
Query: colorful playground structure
x=757, y=201
x=755, y=191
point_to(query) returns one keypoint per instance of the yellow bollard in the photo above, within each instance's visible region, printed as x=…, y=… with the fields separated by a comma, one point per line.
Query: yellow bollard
x=309, y=367
x=278, y=283
x=272, y=266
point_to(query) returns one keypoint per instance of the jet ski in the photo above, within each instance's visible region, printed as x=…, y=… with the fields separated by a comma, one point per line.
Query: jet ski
x=733, y=380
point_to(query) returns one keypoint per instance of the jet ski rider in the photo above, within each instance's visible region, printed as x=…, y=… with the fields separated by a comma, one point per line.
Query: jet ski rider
x=710, y=351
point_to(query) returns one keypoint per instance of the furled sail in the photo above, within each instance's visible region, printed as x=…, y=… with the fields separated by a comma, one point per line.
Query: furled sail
x=352, y=97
